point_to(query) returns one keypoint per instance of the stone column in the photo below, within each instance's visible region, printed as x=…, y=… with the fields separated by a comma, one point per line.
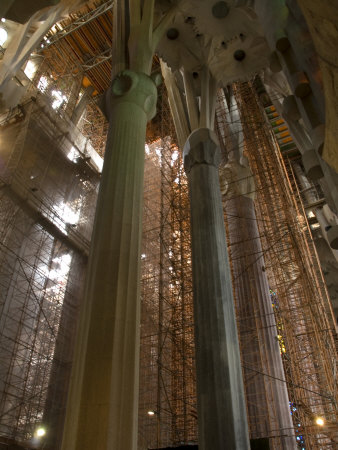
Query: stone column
x=221, y=406
x=103, y=402
x=73, y=94
x=264, y=380
x=81, y=106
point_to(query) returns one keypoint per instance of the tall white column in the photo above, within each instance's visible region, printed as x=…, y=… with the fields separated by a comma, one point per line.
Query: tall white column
x=103, y=403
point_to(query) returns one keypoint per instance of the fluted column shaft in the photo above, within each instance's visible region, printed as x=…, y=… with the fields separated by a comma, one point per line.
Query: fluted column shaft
x=221, y=406
x=267, y=397
x=103, y=404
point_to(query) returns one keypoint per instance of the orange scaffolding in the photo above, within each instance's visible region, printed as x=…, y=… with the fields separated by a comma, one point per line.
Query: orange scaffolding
x=298, y=292
x=39, y=184
x=167, y=377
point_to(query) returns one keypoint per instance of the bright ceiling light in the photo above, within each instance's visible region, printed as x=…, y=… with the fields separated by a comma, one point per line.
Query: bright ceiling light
x=151, y=413
x=40, y=432
x=320, y=421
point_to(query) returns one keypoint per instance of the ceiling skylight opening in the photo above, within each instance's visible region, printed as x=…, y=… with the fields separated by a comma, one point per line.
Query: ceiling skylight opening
x=30, y=69
x=66, y=215
x=43, y=84
x=61, y=268
x=73, y=154
x=3, y=36
x=59, y=99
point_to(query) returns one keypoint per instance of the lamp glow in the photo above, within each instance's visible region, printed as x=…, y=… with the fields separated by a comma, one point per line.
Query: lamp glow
x=40, y=432
x=319, y=421
x=151, y=413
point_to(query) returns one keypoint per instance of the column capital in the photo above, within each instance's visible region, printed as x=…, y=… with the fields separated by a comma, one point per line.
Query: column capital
x=201, y=147
x=236, y=179
x=137, y=88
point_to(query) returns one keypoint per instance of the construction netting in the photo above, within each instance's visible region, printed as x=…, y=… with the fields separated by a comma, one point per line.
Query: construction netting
x=48, y=190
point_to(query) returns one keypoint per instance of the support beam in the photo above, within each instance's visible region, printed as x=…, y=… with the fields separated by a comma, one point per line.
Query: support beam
x=102, y=57
x=79, y=22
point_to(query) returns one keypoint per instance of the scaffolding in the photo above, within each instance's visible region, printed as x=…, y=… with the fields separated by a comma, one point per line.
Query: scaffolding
x=48, y=189
x=266, y=397
x=298, y=292
x=168, y=411
x=48, y=186
x=58, y=189
x=56, y=79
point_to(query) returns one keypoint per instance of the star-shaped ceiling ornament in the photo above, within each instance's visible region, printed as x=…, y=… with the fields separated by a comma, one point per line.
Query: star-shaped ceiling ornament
x=225, y=37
